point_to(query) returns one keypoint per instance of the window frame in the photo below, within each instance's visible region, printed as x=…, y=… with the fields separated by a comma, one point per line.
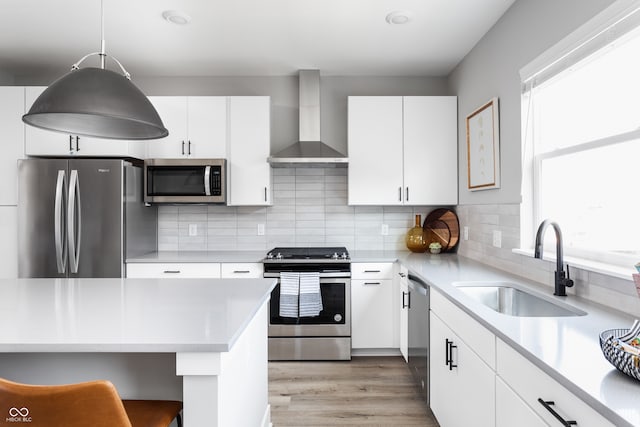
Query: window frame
x=613, y=23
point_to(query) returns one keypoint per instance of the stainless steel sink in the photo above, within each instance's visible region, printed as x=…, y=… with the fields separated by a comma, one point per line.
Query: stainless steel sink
x=511, y=299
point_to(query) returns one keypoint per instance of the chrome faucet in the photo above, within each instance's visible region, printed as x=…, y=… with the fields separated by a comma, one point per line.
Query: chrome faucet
x=561, y=282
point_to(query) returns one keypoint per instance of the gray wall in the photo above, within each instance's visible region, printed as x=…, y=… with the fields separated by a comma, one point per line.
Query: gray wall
x=6, y=79
x=492, y=68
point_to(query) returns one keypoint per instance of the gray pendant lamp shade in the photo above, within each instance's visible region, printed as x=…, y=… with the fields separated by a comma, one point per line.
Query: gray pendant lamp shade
x=96, y=102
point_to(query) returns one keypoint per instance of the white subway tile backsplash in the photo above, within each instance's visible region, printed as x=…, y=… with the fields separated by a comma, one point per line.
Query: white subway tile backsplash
x=310, y=208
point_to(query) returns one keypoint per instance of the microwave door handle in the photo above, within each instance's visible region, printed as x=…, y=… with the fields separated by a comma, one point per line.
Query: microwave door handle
x=207, y=180
x=59, y=214
x=74, y=211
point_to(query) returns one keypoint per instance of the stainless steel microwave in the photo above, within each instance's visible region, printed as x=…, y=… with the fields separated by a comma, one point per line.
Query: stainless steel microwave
x=185, y=181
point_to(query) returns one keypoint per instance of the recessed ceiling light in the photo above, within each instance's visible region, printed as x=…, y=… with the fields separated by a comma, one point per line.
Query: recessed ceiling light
x=398, y=17
x=176, y=17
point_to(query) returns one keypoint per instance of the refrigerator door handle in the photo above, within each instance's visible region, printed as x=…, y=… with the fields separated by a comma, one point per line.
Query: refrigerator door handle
x=59, y=222
x=74, y=221
x=207, y=180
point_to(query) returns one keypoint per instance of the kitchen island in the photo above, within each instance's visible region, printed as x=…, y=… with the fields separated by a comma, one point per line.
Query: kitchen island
x=200, y=341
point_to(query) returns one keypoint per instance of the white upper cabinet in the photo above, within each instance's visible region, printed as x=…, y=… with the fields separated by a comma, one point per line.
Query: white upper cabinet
x=197, y=127
x=402, y=150
x=12, y=137
x=40, y=142
x=375, y=150
x=247, y=151
x=430, y=150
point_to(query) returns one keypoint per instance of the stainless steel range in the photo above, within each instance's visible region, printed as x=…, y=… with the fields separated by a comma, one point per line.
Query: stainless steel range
x=326, y=336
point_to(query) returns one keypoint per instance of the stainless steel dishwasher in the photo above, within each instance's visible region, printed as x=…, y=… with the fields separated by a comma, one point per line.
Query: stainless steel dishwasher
x=418, y=354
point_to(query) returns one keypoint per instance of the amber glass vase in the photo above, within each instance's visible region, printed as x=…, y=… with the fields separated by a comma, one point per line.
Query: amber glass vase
x=416, y=239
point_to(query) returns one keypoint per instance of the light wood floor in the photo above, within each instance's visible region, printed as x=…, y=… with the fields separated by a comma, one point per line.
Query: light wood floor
x=367, y=391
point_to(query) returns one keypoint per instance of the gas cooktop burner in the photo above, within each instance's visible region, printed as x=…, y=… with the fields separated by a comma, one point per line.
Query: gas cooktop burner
x=311, y=254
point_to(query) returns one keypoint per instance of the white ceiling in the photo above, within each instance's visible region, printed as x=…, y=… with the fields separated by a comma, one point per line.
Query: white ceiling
x=246, y=37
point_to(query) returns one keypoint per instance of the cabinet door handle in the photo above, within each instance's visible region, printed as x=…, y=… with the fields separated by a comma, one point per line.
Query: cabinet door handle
x=77, y=143
x=408, y=304
x=189, y=148
x=372, y=283
x=399, y=194
x=406, y=199
x=241, y=271
x=372, y=271
x=547, y=405
x=183, y=148
x=449, y=354
x=171, y=272
x=70, y=142
x=265, y=194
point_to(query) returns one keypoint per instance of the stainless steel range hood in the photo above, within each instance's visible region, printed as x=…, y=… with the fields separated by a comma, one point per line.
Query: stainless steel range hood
x=309, y=151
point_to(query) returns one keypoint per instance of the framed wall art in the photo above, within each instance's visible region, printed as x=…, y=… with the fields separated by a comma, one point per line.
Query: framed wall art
x=483, y=147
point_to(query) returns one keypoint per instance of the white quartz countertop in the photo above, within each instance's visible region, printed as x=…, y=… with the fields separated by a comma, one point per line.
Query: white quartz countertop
x=566, y=348
x=199, y=256
x=248, y=256
x=127, y=315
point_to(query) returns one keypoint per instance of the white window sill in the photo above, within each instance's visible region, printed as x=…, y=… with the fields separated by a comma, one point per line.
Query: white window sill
x=584, y=264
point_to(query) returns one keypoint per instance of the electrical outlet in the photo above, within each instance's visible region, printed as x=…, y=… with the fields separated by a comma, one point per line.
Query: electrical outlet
x=384, y=230
x=497, y=238
x=260, y=229
x=193, y=229
x=465, y=232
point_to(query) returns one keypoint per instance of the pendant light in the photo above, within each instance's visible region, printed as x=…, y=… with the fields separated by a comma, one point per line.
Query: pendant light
x=96, y=102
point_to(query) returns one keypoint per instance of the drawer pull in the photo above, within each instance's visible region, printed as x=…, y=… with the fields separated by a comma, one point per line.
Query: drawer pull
x=172, y=272
x=372, y=283
x=547, y=405
x=449, y=354
x=241, y=271
x=372, y=271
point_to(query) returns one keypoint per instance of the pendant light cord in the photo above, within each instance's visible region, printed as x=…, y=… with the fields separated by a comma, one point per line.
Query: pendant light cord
x=102, y=43
x=102, y=54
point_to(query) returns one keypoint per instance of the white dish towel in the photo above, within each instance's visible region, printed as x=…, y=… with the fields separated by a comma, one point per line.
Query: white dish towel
x=310, y=297
x=289, y=292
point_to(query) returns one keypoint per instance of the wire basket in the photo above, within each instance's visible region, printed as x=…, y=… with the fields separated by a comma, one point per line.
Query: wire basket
x=623, y=361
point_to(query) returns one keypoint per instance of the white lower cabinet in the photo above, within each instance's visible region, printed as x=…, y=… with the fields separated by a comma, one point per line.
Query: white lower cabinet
x=371, y=313
x=512, y=411
x=194, y=270
x=403, y=308
x=372, y=308
x=531, y=384
x=242, y=270
x=462, y=386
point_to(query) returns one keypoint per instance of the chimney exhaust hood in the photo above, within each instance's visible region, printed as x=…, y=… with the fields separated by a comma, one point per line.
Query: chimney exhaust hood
x=309, y=151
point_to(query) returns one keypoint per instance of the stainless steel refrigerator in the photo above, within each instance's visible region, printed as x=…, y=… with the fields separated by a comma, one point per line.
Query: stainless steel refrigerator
x=81, y=217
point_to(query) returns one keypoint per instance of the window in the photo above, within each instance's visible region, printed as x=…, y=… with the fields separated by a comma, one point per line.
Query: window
x=581, y=145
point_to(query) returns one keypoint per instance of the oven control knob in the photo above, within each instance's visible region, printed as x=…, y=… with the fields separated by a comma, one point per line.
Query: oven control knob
x=334, y=256
x=278, y=255
x=269, y=255
x=337, y=317
x=344, y=255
